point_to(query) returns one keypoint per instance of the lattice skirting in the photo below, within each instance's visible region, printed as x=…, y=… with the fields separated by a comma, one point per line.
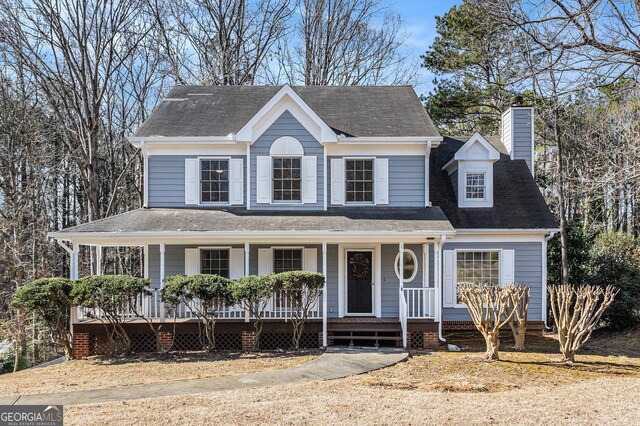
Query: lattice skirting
x=417, y=340
x=194, y=342
x=282, y=340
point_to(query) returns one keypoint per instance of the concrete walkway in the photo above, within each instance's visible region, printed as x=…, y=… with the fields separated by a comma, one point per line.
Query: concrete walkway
x=335, y=363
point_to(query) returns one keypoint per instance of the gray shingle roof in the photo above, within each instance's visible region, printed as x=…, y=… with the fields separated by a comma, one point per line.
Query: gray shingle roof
x=517, y=201
x=353, y=110
x=333, y=220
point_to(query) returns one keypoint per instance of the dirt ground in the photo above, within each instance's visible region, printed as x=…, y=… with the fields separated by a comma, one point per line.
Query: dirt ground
x=102, y=372
x=533, y=387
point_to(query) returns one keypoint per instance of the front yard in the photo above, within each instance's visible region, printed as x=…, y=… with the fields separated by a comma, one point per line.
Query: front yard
x=103, y=372
x=440, y=387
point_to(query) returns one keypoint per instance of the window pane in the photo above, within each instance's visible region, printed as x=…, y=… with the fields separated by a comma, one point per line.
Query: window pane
x=475, y=186
x=359, y=181
x=214, y=181
x=215, y=262
x=285, y=260
x=286, y=179
x=478, y=267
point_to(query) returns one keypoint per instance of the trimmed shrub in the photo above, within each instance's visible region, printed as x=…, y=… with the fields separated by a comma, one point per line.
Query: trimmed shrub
x=255, y=292
x=204, y=295
x=615, y=260
x=303, y=290
x=50, y=300
x=113, y=296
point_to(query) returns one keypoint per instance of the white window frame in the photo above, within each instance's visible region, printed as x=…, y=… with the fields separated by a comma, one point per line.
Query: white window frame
x=484, y=187
x=465, y=167
x=396, y=265
x=455, y=269
x=286, y=202
x=373, y=181
x=213, y=203
x=273, y=255
x=200, y=249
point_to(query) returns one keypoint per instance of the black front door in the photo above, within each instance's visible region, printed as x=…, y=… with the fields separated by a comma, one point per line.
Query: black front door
x=359, y=282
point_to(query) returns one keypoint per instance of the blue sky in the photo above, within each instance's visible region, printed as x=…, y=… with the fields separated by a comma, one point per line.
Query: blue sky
x=419, y=18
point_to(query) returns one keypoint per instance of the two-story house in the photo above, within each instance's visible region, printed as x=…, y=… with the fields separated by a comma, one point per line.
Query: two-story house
x=352, y=182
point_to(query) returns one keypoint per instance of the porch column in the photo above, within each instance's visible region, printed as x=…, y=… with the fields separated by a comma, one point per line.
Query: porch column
x=425, y=278
x=324, y=296
x=98, y=260
x=74, y=262
x=402, y=307
x=161, y=279
x=161, y=265
x=246, y=259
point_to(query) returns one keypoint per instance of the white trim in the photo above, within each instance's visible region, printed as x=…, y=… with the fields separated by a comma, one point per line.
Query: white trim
x=145, y=254
x=145, y=175
x=389, y=149
x=192, y=149
x=415, y=263
x=427, y=161
x=286, y=146
x=248, y=184
x=324, y=296
x=386, y=140
x=425, y=265
x=247, y=250
x=162, y=265
x=325, y=178
x=493, y=154
x=286, y=99
x=137, y=140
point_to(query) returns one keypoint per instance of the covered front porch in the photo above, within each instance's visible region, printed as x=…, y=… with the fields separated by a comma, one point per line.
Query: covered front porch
x=383, y=268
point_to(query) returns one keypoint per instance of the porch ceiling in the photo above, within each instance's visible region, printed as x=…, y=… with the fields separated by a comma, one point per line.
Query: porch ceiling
x=239, y=223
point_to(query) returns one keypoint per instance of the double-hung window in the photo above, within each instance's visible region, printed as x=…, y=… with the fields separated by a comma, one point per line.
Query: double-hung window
x=215, y=261
x=475, y=186
x=287, y=179
x=479, y=267
x=214, y=181
x=285, y=260
x=359, y=181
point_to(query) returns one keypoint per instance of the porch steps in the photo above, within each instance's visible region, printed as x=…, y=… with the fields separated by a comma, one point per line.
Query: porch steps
x=368, y=337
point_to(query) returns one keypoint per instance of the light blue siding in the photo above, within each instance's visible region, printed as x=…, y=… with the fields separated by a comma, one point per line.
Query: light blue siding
x=406, y=180
x=528, y=270
x=166, y=179
x=287, y=125
x=522, y=145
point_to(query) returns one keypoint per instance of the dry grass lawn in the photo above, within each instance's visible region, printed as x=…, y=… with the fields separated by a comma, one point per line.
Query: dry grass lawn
x=603, y=387
x=101, y=372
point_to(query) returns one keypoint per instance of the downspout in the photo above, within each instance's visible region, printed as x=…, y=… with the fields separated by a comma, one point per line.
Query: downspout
x=544, y=279
x=439, y=266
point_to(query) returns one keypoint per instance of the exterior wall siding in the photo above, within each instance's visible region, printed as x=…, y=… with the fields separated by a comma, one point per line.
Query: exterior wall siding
x=406, y=180
x=166, y=180
x=528, y=270
x=522, y=135
x=287, y=125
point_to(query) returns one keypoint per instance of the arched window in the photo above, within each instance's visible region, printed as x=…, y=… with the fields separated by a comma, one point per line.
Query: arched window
x=410, y=265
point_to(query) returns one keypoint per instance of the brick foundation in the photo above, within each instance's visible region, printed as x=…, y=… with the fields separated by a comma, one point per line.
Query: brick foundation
x=81, y=345
x=430, y=340
x=248, y=340
x=165, y=340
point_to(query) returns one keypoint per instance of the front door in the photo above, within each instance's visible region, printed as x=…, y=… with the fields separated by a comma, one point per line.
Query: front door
x=359, y=282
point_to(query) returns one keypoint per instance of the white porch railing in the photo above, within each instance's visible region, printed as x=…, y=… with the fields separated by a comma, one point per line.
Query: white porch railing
x=420, y=303
x=416, y=303
x=151, y=307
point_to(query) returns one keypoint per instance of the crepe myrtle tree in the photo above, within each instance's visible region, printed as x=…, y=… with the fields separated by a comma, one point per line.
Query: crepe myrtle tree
x=577, y=312
x=50, y=300
x=491, y=307
x=204, y=295
x=111, y=299
x=518, y=323
x=255, y=293
x=301, y=290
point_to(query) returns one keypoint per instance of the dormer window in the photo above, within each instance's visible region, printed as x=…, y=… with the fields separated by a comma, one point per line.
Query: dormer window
x=287, y=179
x=475, y=187
x=214, y=181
